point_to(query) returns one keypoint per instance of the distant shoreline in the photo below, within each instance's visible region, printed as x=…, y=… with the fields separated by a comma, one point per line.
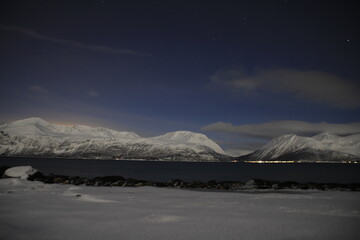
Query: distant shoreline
x=167, y=161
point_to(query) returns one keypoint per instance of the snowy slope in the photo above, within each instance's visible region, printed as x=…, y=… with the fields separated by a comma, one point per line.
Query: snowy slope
x=39, y=127
x=36, y=137
x=321, y=147
x=190, y=137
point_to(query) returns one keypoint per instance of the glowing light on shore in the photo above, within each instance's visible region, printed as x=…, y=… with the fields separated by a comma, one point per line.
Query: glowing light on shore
x=270, y=161
x=301, y=161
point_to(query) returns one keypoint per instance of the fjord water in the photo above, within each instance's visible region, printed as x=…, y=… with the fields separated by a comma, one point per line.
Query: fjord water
x=193, y=171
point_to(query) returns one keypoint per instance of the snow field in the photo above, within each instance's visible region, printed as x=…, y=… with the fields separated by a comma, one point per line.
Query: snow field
x=32, y=210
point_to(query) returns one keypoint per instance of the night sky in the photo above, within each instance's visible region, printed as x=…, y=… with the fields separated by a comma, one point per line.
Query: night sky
x=241, y=72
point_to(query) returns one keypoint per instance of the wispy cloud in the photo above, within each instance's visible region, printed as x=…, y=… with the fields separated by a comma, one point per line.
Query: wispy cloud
x=92, y=93
x=97, y=48
x=237, y=152
x=273, y=129
x=313, y=86
x=38, y=90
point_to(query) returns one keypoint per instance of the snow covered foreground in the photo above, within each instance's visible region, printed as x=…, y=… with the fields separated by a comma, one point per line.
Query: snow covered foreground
x=33, y=210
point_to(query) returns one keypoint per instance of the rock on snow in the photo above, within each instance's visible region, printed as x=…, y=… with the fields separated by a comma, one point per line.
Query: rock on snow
x=22, y=172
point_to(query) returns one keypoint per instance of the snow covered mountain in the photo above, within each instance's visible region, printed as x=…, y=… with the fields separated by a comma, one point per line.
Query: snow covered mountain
x=39, y=127
x=324, y=147
x=190, y=137
x=36, y=137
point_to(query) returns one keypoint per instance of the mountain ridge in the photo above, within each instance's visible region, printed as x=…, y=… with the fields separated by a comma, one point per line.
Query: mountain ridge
x=323, y=147
x=36, y=137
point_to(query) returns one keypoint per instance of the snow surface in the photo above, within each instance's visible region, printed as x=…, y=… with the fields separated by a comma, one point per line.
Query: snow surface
x=33, y=210
x=22, y=172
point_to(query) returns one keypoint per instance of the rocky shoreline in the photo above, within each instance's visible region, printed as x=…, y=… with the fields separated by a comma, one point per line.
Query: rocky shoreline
x=253, y=184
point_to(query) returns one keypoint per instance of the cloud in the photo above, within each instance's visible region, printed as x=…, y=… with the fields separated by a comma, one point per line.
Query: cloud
x=97, y=48
x=314, y=86
x=92, y=93
x=237, y=152
x=274, y=129
x=38, y=90
x=38, y=93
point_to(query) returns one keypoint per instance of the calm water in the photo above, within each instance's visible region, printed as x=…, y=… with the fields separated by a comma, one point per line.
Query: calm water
x=164, y=171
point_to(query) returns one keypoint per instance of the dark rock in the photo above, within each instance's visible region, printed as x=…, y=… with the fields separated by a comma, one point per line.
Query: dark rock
x=118, y=183
x=78, y=181
x=289, y=185
x=140, y=184
x=67, y=182
x=2, y=170
x=128, y=184
x=263, y=184
x=196, y=184
x=89, y=182
x=38, y=176
x=149, y=183
x=60, y=179
x=178, y=183
x=47, y=179
x=160, y=184
x=132, y=181
x=111, y=179
x=211, y=184
x=99, y=183
x=236, y=186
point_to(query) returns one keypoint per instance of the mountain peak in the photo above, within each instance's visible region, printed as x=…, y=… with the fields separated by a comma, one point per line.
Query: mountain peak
x=26, y=127
x=190, y=137
x=31, y=120
x=325, y=136
x=38, y=127
x=321, y=147
x=184, y=135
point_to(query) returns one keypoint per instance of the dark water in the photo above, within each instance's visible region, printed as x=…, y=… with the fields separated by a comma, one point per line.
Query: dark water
x=164, y=171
